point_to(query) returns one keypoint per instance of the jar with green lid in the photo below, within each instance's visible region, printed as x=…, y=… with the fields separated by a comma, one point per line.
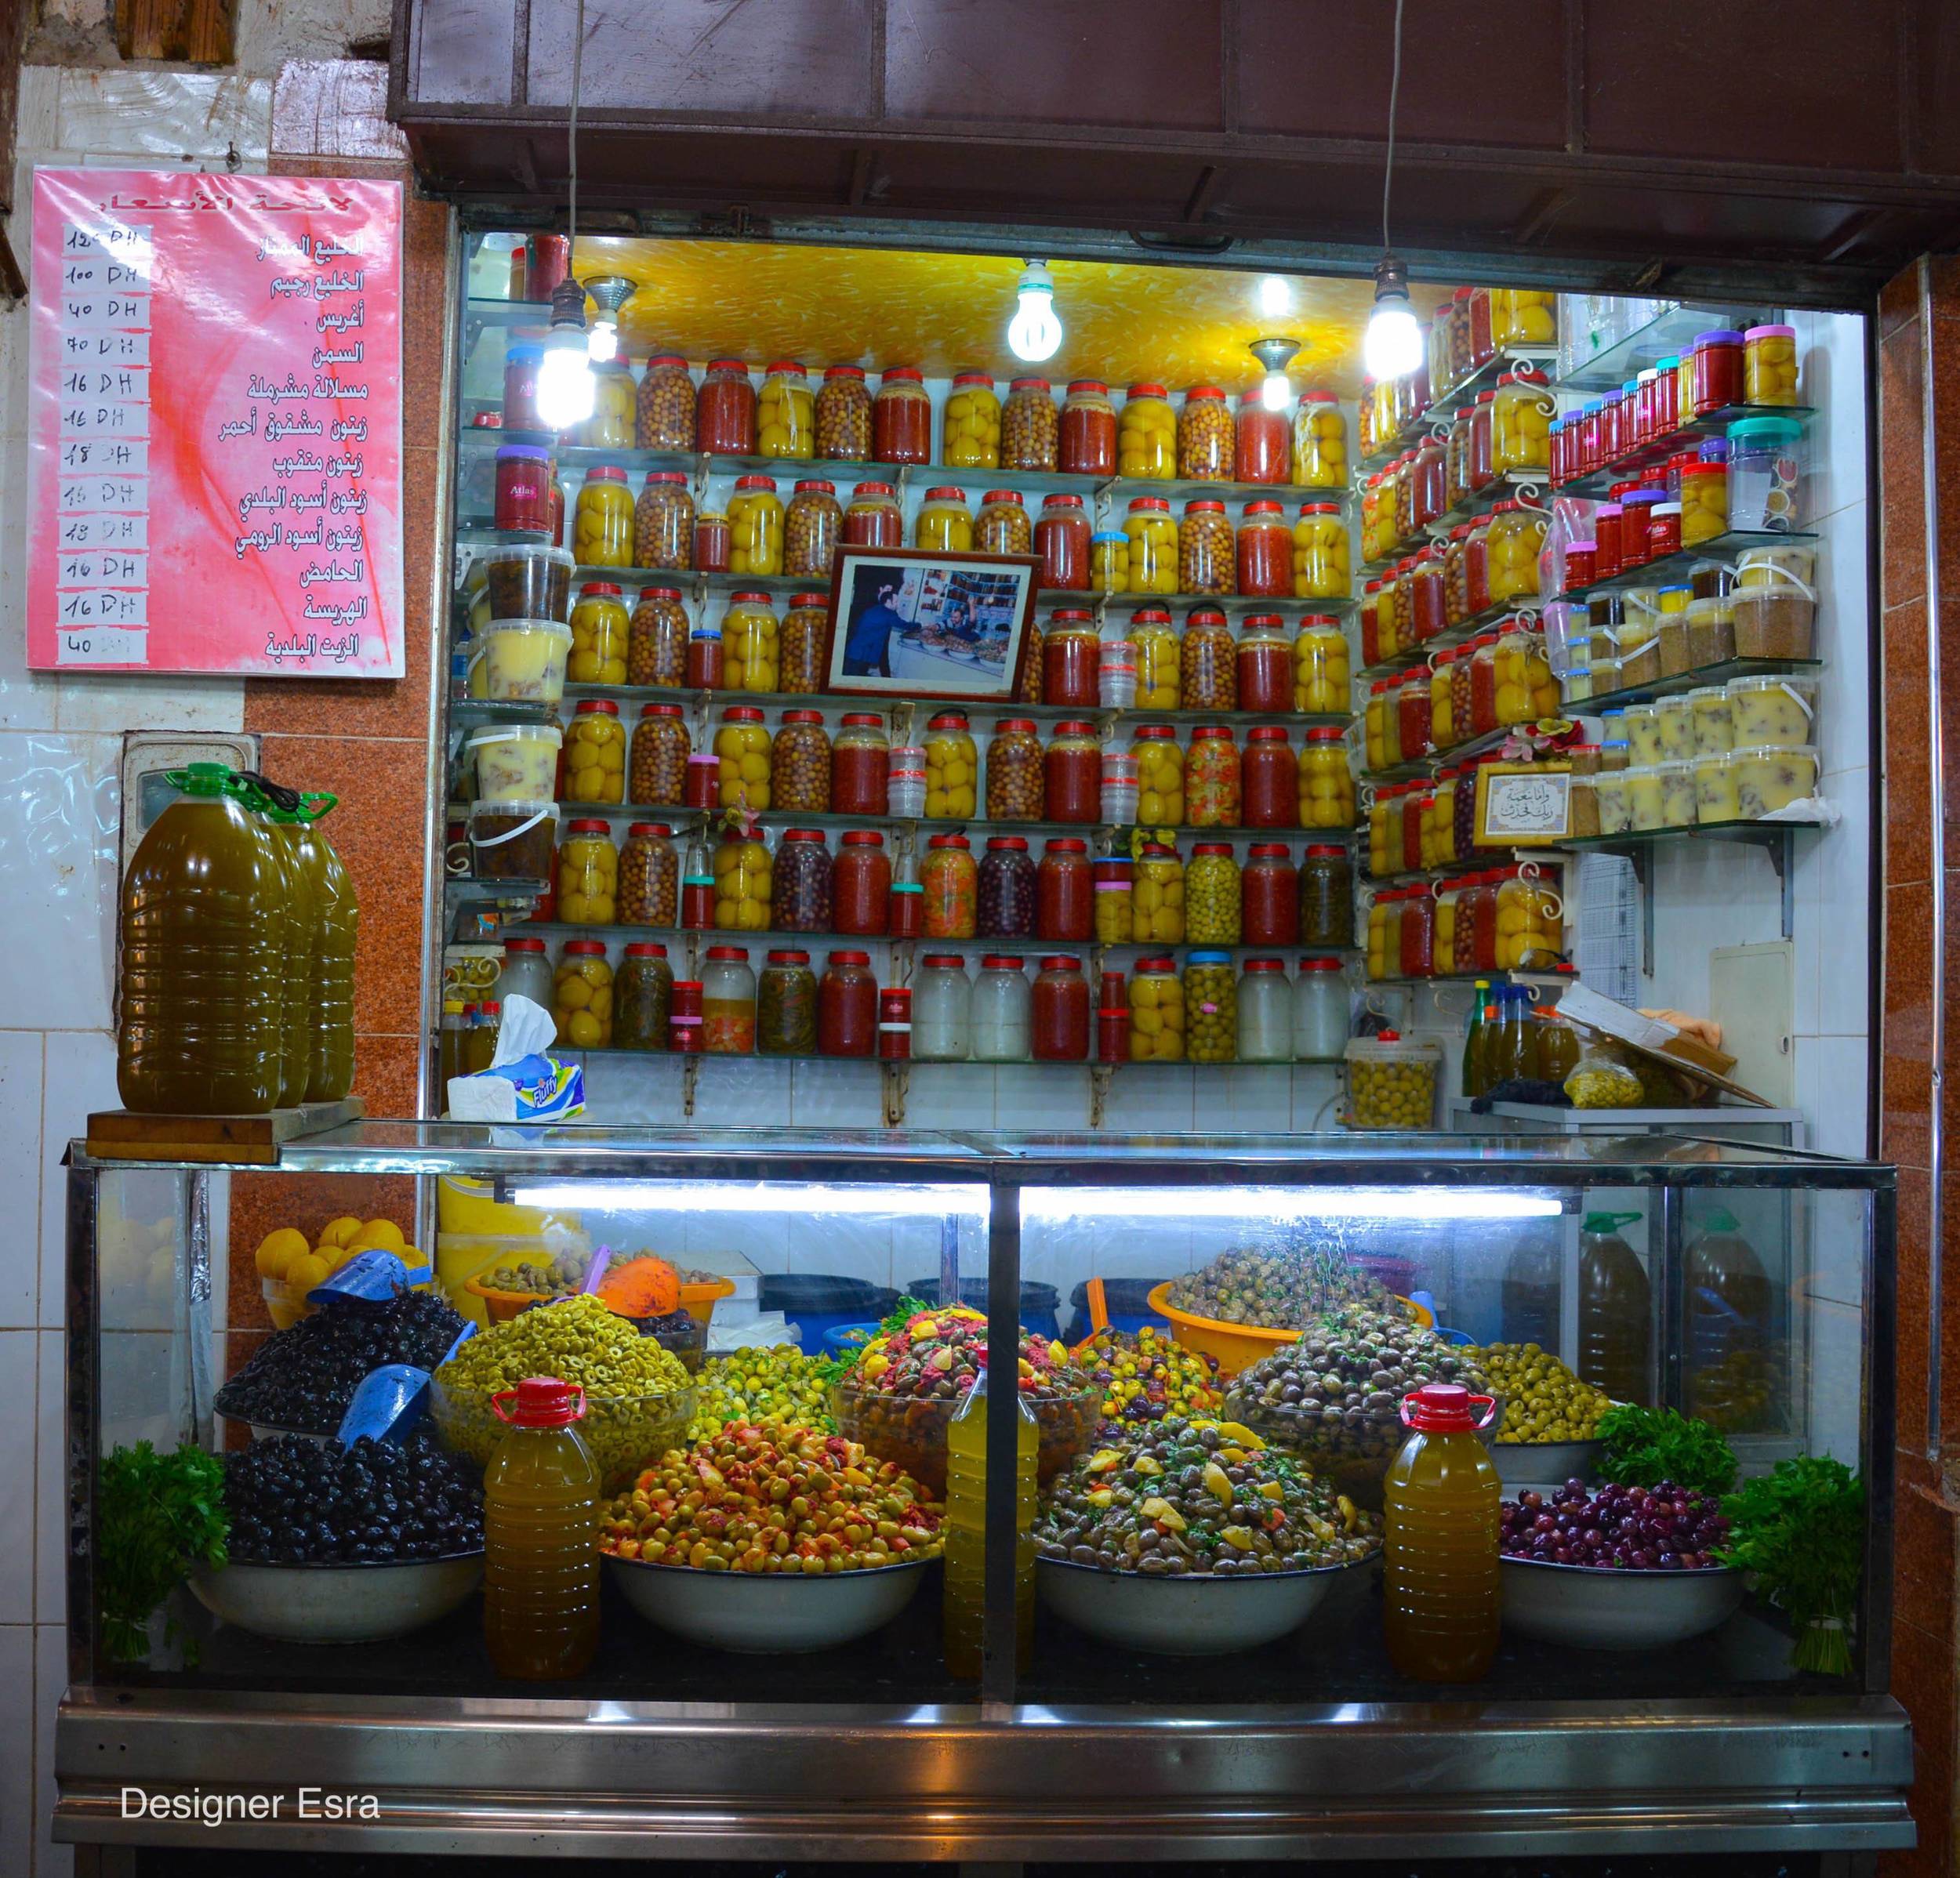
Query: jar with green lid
x=1211, y=903
x=787, y=1006
x=1211, y=1008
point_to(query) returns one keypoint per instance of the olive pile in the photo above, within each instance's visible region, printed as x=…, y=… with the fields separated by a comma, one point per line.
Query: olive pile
x=1543, y=1400
x=780, y=1384
x=303, y=1379
x=1148, y=1377
x=294, y=1501
x=1273, y=1290
x=1336, y=1395
x=554, y=1278
x=1186, y=1498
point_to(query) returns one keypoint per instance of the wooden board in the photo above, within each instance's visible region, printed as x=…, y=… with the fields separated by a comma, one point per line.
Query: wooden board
x=119, y=1134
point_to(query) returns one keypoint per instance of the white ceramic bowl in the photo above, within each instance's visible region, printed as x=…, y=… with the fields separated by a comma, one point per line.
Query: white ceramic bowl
x=760, y=1615
x=1587, y=1608
x=337, y=1604
x=1190, y=1616
x=1545, y=1463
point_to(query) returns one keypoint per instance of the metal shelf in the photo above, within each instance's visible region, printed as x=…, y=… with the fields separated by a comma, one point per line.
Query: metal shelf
x=1662, y=336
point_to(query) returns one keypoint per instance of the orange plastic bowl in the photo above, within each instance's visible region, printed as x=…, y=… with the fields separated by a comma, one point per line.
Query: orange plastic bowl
x=698, y=1301
x=1239, y=1346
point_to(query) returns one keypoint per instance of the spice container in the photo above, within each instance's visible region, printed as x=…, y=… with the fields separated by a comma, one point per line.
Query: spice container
x=1061, y=539
x=860, y=883
x=942, y=1011
x=800, y=764
x=1262, y=445
x=649, y=879
x=755, y=527
x=1326, y=897
x=1151, y=566
x=847, y=1017
x=1212, y=778
x=813, y=525
x=1269, y=896
x=787, y=1006
x=950, y=882
x=953, y=767
x=1160, y=776
x=582, y=996
x=657, y=638
x=1058, y=1012
x=728, y=1002
x=1769, y=365
x=874, y=519
x=661, y=747
x=1028, y=425
x=1320, y=667
x=1071, y=768
x=1391, y=1083
x=724, y=412
x=1213, y=909
x=1087, y=431
x=843, y=415
x=1320, y=442
x=902, y=418
x=1205, y=549
x=523, y=486
x=1147, y=434
x=741, y=751
x=1001, y=1011
x=943, y=523
x=1114, y=879
x=1071, y=659
x=970, y=437
x=1265, y=552
x=1269, y=780
x=1211, y=1008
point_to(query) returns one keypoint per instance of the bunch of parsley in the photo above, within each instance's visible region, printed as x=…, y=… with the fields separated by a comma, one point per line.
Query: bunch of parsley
x=1643, y=1447
x=158, y=1516
x=1800, y=1530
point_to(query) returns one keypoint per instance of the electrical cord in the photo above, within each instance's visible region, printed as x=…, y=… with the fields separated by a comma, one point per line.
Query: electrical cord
x=1395, y=93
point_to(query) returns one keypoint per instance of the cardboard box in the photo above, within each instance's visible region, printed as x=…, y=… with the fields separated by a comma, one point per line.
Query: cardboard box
x=1652, y=1038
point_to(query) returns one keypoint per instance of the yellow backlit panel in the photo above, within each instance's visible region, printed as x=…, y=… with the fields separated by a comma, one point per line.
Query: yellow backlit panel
x=941, y=312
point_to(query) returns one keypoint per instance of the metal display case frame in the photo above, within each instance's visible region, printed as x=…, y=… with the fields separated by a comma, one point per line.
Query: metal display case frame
x=1815, y=1765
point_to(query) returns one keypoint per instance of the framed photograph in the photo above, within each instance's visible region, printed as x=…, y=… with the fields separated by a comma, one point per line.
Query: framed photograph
x=1522, y=805
x=912, y=622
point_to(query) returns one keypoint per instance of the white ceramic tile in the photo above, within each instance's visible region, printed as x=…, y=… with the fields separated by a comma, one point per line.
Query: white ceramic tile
x=949, y=1096
x=1247, y=1098
x=28, y=701
x=50, y=1683
x=1317, y=1090
x=732, y=1091
x=845, y=1246
x=1837, y=1123
x=51, y=1480
x=1834, y=367
x=158, y=112
x=1142, y=1100
x=626, y=1086
x=80, y=1077
x=1844, y=734
x=19, y=1717
x=837, y=1095
x=110, y=705
x=1026, y=1096
x=16, y=1478
x=20, y=1059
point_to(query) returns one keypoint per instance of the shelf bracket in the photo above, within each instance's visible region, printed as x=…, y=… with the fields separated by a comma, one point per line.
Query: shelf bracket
x=897, y=1078
x=1780, y=844
x=689, y=1076
x=1099, y=1076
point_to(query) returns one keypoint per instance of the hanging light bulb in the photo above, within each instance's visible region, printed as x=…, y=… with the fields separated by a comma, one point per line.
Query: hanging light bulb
x=609, y=292
x=1392, y=346
x=1275, y=392
x=564, y=375
x=1035, y=332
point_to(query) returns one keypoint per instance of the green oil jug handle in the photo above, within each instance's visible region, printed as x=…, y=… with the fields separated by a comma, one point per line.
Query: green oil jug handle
x=315, y=805
x=1610, y=1222
x=270, y=795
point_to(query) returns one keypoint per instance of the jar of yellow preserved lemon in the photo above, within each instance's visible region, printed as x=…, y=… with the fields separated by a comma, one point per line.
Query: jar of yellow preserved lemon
x=1327, y=784
x=1160, y=776
x=615, y=398
x=1522, y=316
x=755, y=527
x=600, y=628
x=1516, y=534
x=1109, y=561
x=1153, y=536
x=786, y=413
x=971, y=437
x=588, y=875
x=1151, y=632
x=1320, y=667
x=1531, y=921
x=743, y=882
x=953, y=768
x=1321, y=567
x=944, y=523
x=1374, y=727
x=602, y=519
x=1443, y=730
x=1147, y=434
x=1769, y=365
x=1158, y=902
x=595, y=753
x=1521, y=416
x=582, y=995
x=1320, y=442
x=1156, y=1011
x=751, y=644
x=742, y=754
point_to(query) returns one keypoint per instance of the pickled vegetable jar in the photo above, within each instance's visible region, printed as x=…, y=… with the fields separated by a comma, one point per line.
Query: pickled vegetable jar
x=595, y=753
x=805, y=644
x=649, y=877
x=860, y=883
x=1158, y=896
x=752, y=644
x=582, y=995
x=1319, y=561
x=942, y=1011
x=1415, y=935
x=741, y=750
x=1375, y=750
x=874, y=519
x=1065, y=891
x=1521, y=417
x=1517, y=532
x=1327, y=785
x=1152, y=567
x=1061, y=539
x=744, y=883
x=1320, y=442
x=600, y=632
x=724, y=417
x=951, y=883
x=728, y=1002
x=902, y=418
x=1087, y=441
x=1206, y=443
x=1156, y=1011
x=971, y=435
x=1385, y=934
x=1427, y=616
x=1428, y=479
x=1443, y=728
x=1147, y=434
x=1530, y=930
x=1211, y=779
x=1071, y=656
x=1028, y=425
x=1211, y=1009
x=786, y=413
x=1212, y=908
x=1015, y=788
x=1269, y=895
x=1265, y=673
x=1704, y=502
x=1205, y=549
x=610, y=427
x=787, y=1006
x=1265, y=551
x=1073, y=773
x=847, y=1007
x=755, y=527
x=602, y=519
x=1058, y=1012
x=1109, y=561
x=799, y=883
x=843, y=415
x=588, y=875
x=952, y=771
x=800, y=764
x=663, y=418
x=1150, y=632
x=1522, y=316
x=1269, y=780
x=663, y=522
x=1114, y=879
x=1160, y=776
x=1326, y=896
x=1208, y=662
x=661, y=748
x=1320, y=675
x=1005, y=892
x=1769, y=365
x=643, y=998
x=812, y=527
x=860, y=759
x=1262, y=447
x=944, y=523
x=1412, y=714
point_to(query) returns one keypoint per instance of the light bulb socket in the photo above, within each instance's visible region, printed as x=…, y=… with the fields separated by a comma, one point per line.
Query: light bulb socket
x=1275, y=355
x=1391, y=280
x=568, y=304
x=609, y=292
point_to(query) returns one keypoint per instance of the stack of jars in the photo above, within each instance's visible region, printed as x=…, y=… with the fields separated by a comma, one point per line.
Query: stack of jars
x=1493, y=683
x=1505, y=919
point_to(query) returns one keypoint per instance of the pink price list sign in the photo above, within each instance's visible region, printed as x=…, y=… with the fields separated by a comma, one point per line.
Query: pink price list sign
x=215, y=425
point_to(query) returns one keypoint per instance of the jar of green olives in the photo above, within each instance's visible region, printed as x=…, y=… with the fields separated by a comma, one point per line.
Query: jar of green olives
x=1212, y=910
x=1391, y=1082
x=1211, y=1009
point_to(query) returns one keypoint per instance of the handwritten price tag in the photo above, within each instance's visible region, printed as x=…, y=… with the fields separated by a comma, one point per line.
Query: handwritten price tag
x=103, y=645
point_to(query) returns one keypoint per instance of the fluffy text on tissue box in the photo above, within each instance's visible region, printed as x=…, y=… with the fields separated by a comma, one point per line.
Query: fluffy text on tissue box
x=524, y=1082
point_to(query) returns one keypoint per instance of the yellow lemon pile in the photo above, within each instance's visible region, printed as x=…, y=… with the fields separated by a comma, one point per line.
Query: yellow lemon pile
x=285, y=1254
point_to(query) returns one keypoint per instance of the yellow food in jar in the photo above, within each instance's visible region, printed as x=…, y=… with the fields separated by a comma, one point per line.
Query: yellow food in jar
x=588, y=880
x=1110, y=563
x=1387, y=1094
x=1521, y=427
x=1321, y=562
x=1522, y=316
x=600, y=630
x=1643, y=799
x=785, y=419
x=971, y=435
x=1443, y=722
x=742, y=886
x=1374, y=731
x=1774, y=712
x=1320, y=671
x=581, y=1001
x=742, y=752
x=952, y=773
x=1158, y=678
x=755, y=527
x=1718, y=795
x=1705, y=504
x=1319, y=444
x=1769, y=367
x=595, y=758
x=1514, y=542
x=1380, y=964
x=1530, y=929
x=1212, y=908
x=1147, y=434
x=1152, y=537
x=1157, y=1018
x=1157, y=900
x=944, y=526
x=1159, y=781
x=1327, y=787
x=1211, y=1012
x=602, y=520
x=1116, y=911
x=1444, y=957
x=1769, y=780
x=751, y=649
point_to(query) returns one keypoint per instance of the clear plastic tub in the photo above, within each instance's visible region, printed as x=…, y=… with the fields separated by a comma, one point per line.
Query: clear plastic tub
x=1774, y=605
x=528, y=580
x=1767, y=780
x=519, y=659
x=515, y=762
x=1391, y=1083
x=1773, y=713
x=513, y=840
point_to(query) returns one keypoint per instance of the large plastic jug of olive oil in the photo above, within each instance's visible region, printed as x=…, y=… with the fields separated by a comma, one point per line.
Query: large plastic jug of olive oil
x=299, y=1018
x=203, y=913
x=336, y=915
x=1615, y=1309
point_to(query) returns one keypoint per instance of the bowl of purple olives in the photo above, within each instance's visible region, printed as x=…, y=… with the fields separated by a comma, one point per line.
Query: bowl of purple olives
x=1622, y=1569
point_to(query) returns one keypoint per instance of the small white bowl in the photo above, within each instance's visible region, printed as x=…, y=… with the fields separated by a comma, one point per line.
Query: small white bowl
x=759, y=1614
x=1595, y=1608
x=1193, y=1616
x=336, y=1604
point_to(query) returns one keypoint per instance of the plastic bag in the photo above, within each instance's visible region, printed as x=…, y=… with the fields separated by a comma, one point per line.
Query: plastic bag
x=1601, y=1081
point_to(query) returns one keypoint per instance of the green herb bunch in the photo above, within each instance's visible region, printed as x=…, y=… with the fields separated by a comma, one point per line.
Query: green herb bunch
x=1800, y=1530
x=1643, y=1447
x=159, y=1516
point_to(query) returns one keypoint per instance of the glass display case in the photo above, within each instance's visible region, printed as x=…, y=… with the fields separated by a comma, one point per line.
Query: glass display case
x=1210, y=1632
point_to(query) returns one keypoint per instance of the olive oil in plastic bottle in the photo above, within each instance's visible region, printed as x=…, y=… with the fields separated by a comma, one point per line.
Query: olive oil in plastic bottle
x=1733, y=1373
x=1616, y=1311
x=204, y=911
x=337, y=921
x=965, y=1606
x=541, y=1536
x=299, y=1008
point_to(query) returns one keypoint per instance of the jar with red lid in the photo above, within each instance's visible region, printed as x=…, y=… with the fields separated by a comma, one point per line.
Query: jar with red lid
x=724, y=412
x=800, y=764
x=1718, y=370
x=1269, y=896
x=1086, y=444
x=1414, y=808
x=1484, y=683
x=1418, y=934
x=843, y=415
x=1403, y=588
x=1581, y=561
x=1478, y=468
x=847, y=1007
x=1373, y=651
x=1208, y=662
x=1112, y=1019
x=1073, y=773
x=1608, y=557
x=859, y=762
x=1456, y=592
x=1211, y=779
x=1028, y=425
x=1265, y=552
x=713, y=543
x=728, y=1002
x=1269, y=780
x=663, y=522
x=520, y=366
x=1065, y=891
x=951, y=883
x=902, y=418
x=1206, y=553
x=1428, y=614
x=525, y=482
x=1327, y=784
x=1397, y=481
x=812, y=525
x=1205, y=441
x=1015, y=790
x=895, y=1023
x=1262, y=446
x=874, y=519
x=860, y=883
x=1007, y=889
x=1058, y=1012
x=1477, y=568
x=1002, y=526
x=969, y=428
x=1456, y=457
x=1266, y=661
x=785, y=1006
x=905, y=919
x=1071, y=659
x=1326, y=896
x=1428, y=479
x=799, y=884
x=685, y=1019
x=1482, y=346
x=1061, y=539
x=1412, y=728
x=1521, y=414
x=1372, y=548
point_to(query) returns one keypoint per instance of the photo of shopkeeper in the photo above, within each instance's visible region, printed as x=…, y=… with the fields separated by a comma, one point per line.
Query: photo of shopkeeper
x=939, y=626
x=873, y=619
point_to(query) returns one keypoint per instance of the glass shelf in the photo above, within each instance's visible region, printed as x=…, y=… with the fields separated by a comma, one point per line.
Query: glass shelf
x=1448, y=639
x=782, y=941
x=613, y=1054
x=1699, y=679
x=1757, y=834
x=974, y=828
x=1674, y=569
x=1484, y=379
x=1654, y=455
x=1666, y=335
x=1512, y=485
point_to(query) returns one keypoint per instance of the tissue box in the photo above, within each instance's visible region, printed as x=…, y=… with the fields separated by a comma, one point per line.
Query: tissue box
x=533, y=1088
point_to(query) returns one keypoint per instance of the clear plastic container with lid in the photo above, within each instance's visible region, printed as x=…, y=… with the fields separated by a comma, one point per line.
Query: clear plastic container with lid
x=1391, y=1083
x=951, y=883
x=1327, y=784
x=1206, y=441
x=1116, y=675
x=786, y=413
x=1265, y=552
x=1773, y=712
x=1206, y=551
x=1114, y=879
x=1061, y=538
x=902, y=418
x=1073, y=773
x=602, y=519
x=1768, y=780
x=1015, y=788
x=1269, y=895
x=600, y=632
x=1320, y=666
x=724, y=420
x=1208, y=662
x=1265, y=1012
x=1109, y=561
x=728, y=1002
x=953, y=770
x=1071, y=659
x=1087, y=440
x=970, y=427
x=942, y=1009
x=1005, y=890
x=1160, y=776
x=874, y=519
x=813, y=525
x=1211, y=1008
x=1147, y=434
x=1521, y=417
x=860, y=883
x=1211, y=779
x=514, y=763
x=595, y=754
x=1321, y=569
x=944, y=523
x=1151, y=566
x=1320, y=442
x=1769, y=365
x=1214, y=913
x=1265, y=664
x=1765, y=473
x=1001, y=1010
x=582, y=995
x=843, y=415
x=588, y=875
x=1028, y=425
x=1319, y=1011
x=1262, y=445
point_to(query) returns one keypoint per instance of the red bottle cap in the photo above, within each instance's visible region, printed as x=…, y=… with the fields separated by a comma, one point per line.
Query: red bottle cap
x=1443, y=1408
x=540, y=1401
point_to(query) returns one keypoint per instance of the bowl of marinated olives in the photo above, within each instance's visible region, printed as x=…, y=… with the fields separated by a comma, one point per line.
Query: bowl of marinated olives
x=1550, y=1418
